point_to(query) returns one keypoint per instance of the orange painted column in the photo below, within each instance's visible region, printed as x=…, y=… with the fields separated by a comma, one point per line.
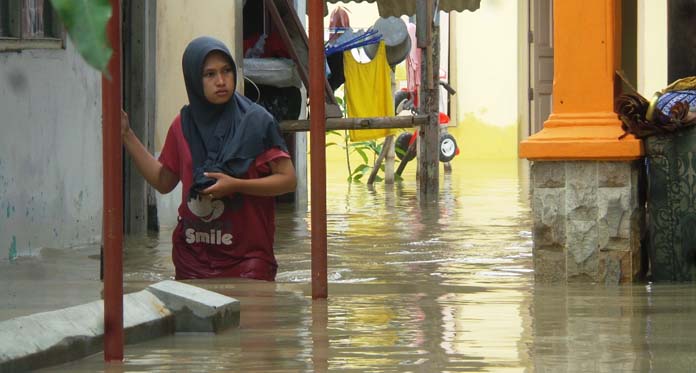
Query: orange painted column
x=583, y=124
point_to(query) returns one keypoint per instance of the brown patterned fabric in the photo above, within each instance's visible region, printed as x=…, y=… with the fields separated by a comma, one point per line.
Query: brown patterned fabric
x=632, y=109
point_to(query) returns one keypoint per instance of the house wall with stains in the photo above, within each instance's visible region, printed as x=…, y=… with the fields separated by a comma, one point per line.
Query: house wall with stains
x=50, y=151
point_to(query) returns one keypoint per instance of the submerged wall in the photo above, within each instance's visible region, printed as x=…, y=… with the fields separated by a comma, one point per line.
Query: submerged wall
x=50, y=151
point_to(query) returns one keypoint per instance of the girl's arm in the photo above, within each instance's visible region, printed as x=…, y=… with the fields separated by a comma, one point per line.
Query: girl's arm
x=152, y=170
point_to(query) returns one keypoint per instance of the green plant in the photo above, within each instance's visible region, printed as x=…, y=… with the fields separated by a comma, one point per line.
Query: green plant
x=367, y=150
x=85, y=22
x=362, y=148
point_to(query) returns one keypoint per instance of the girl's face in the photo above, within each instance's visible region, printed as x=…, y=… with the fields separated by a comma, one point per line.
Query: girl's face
x=218, y=78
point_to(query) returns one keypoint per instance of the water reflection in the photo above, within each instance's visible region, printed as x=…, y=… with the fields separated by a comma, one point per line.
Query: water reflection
x=629, y=328
x=417, y=286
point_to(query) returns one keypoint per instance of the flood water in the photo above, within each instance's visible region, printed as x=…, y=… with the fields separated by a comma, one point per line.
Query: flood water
x=420, y=286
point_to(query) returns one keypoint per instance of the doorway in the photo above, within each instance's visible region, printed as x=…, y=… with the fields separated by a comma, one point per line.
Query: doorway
x=139, y=97
x=540, y=67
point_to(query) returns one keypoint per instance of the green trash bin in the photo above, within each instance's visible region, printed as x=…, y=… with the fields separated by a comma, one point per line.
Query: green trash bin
x=671, y=205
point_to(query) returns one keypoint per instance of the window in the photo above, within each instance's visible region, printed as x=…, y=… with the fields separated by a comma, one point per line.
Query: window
x=26, y=24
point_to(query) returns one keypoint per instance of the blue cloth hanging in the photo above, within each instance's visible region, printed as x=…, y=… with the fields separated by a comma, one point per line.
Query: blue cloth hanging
x=371, y=36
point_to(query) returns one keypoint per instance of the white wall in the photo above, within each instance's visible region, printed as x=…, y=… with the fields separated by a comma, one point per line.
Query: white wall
x=50, y=151
x=486, y=63
x=175, y=29
x=486, y=49
x=652, y=46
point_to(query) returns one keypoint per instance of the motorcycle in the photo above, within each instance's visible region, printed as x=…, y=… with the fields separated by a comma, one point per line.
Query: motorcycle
x=405, y=144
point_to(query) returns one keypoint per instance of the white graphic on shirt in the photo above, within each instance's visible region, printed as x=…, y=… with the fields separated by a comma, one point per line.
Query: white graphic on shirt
x=214, y=237
x=206, y=208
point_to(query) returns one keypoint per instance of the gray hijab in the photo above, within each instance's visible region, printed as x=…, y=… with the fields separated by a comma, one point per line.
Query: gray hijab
x=223, y=138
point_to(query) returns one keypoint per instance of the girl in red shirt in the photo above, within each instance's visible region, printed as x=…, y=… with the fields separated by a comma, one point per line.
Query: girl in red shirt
x=232, y=161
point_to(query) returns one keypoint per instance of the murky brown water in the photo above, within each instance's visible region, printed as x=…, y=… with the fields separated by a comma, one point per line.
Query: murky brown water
x=417, y=286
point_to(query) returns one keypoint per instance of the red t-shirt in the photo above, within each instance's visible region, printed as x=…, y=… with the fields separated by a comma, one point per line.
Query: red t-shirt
x=221, y=238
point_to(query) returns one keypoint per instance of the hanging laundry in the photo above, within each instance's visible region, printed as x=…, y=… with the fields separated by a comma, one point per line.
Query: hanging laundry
x=413, y=62
x=339, y=22
x=337, y=77
x=351, y=40
x=368, y=92
x=347, y=41
x=339, y=19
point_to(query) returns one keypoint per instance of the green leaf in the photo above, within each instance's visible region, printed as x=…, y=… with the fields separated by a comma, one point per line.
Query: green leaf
x=362, y=154
x=362, y=168
x=85, y=21
x=330, y=143
x=356, y=175
x=372, y=144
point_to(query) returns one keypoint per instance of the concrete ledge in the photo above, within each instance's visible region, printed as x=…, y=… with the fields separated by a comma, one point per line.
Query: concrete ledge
x=196, y=309
x=56, y=337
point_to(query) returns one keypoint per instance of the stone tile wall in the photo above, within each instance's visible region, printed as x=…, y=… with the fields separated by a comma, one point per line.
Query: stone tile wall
x=588, y=218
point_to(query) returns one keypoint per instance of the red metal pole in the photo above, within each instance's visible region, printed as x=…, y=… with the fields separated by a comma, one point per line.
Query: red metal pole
x=317, y=123
x=112, y=231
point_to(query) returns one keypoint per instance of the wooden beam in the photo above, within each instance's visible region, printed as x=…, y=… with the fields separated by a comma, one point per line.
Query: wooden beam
x=358, y=123
x=388, y=141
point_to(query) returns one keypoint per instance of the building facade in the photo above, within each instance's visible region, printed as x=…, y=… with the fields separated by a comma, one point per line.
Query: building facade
x=50, y=140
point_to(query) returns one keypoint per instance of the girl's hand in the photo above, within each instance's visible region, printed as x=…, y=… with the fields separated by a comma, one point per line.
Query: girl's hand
x=224, y=186
x=125, y=124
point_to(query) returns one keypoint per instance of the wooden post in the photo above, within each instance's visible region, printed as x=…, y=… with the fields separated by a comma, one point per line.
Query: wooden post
x=428, y=135
x=112, y=232
x=384, y=154
x=389, y=160
x=317, y=118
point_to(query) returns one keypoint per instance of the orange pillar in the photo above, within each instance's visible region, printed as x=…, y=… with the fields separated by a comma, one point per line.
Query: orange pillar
x=583, y=124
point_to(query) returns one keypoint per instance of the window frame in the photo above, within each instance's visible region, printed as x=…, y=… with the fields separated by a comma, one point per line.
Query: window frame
x=16, y=10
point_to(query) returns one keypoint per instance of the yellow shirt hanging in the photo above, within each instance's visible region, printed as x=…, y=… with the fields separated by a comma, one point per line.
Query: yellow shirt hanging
x=368, y=91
